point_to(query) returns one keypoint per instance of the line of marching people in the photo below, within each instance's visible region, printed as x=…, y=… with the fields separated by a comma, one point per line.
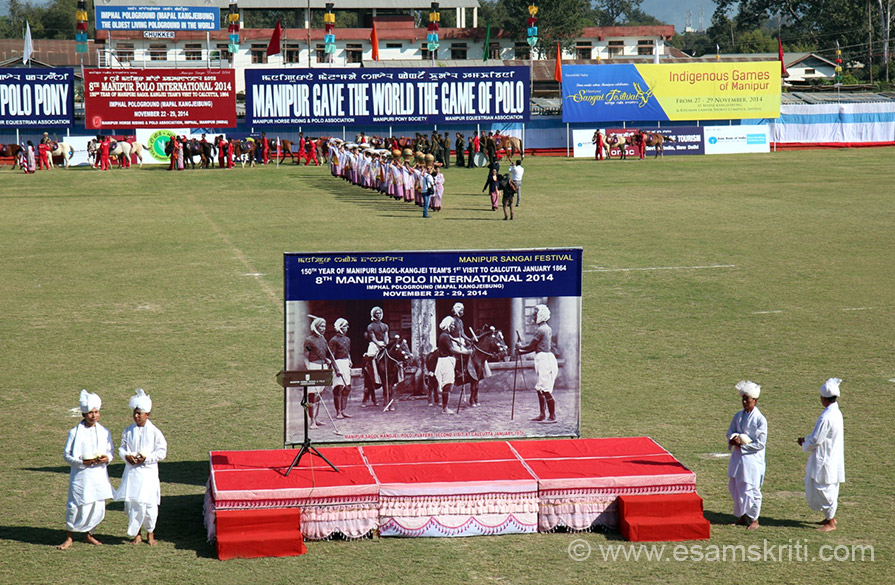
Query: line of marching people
x=413, y=178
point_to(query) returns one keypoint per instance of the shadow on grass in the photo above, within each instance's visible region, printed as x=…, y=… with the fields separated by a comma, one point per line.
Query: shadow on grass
x=185, y=472
x=180, y=523
x=724, y=519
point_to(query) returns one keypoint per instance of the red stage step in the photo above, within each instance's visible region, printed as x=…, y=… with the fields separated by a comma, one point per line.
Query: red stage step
x=249, y=534
x=666, y=517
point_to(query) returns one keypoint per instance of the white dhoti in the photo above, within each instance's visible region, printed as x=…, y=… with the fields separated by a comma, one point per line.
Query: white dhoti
x=84, y=518
x=546, y=368
x=444, y=370
x=316, y=366
x=139, y=516
x=746, y=498
x=342, y=373
x=822, y=497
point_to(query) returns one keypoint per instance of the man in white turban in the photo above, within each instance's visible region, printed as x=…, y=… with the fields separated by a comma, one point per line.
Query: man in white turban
x=340, y=351
x=826, y=462
x=88, y=451
x=377, y=335
x=746, y=438
x=142, y=446
x=448, y=347
x=546, y=366
x=316, y=358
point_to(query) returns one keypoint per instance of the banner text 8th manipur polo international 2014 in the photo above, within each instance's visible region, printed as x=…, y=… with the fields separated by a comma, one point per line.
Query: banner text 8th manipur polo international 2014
x=671, y=92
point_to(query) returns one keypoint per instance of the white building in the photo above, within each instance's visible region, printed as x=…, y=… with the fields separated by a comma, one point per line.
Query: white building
x=400, y=39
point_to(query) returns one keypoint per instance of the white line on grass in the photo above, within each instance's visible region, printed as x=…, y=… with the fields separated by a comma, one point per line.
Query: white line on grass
x=765, y=312
x=859, y=309
x=599, y=269
x=250, y=269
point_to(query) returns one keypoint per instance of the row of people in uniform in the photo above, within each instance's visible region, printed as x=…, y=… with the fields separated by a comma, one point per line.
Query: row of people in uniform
x=389, y=173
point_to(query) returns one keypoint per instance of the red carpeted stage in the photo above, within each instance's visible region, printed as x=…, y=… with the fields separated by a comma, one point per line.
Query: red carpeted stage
x=430, y=489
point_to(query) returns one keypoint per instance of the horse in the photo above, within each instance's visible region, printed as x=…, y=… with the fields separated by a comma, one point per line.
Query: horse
x=204, y=150
x=323, y=149
x=657, y=140
x=385, y=370
x=122, y=150
x=616, y=141
x=488, y=345
x=247, y=148
x=11, y=150
x=511, y=144
x=286, y=147
x=63, y=150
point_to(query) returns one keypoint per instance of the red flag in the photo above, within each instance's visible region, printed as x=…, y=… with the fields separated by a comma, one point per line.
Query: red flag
x=557, y=73
x=374, y=40
x=783, y=71
x=273, y=47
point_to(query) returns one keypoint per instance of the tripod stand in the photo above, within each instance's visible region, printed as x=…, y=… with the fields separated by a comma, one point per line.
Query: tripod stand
x=306, y=446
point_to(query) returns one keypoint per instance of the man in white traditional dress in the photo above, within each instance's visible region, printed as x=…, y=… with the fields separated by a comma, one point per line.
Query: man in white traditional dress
x=88, y=450
x=142, y=446
x=546, y=366
x=826, y=463
x=746, y=438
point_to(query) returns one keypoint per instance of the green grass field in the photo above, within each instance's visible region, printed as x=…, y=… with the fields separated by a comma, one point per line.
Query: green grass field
x=699, y=272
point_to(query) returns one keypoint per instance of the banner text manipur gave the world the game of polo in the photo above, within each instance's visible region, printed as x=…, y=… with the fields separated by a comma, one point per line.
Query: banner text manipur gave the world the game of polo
x=386, y=96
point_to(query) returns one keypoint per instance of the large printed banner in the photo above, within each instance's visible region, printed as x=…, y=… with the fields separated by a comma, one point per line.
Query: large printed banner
x=168, y=18
x=386, y=96
x=482, y=303
x=159, y=98
x=685, y=91
x=677, y=140
x=36, y=98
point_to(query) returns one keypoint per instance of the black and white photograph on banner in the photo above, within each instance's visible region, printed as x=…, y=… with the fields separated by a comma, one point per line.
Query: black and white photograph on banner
x=434, y=345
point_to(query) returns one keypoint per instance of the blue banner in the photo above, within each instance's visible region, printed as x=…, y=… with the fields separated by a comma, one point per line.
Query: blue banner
x=607, y=93
x=36, y=98
x=454, y=274
x=176, y=18
x=387, y=96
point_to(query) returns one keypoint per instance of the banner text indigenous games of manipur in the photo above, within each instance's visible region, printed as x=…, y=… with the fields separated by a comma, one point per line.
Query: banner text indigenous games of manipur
x=159, y=98
x=486, y=301
x=387, y=96
x=671, y=92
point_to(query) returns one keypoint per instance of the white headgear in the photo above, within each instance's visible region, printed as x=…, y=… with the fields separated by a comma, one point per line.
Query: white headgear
x=747, y=388
x=89, y=401
x=140, y=401
x=318, y=325
x=830, y=388
x=446, y=323
x=373, y=312
x=542, y=315
x=458, y=307
x=340, y=323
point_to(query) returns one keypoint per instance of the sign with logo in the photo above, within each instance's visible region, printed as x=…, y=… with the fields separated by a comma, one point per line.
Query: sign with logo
x=163, y=18
x=387, y=96
x=36, y=98
x=158, y=34
x=736, y=139
x=682, y=92
x=159, y=98
x=412, y=335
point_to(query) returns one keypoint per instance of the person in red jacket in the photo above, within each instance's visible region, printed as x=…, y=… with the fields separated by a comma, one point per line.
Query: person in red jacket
x=598, y=141
x=104, y=146
x=265, y=149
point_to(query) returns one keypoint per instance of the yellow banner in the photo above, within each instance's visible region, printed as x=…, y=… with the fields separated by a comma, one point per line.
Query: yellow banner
x=715, y=91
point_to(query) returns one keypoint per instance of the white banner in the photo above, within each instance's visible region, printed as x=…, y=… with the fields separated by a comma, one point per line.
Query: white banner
x=836, y=123
x=736, y=139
